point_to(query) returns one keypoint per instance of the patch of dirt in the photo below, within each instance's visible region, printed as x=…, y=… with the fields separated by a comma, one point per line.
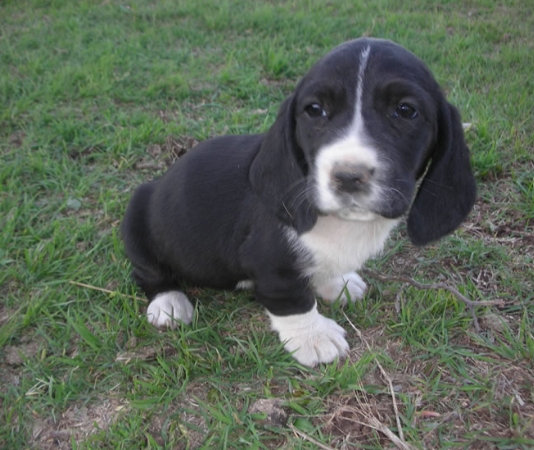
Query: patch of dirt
x=271, y=410
x=12, y=357
x=15, y=355
x=17, y=139
x=500, y=223
x=504, y=410
x=76, y=423
x=350, y=419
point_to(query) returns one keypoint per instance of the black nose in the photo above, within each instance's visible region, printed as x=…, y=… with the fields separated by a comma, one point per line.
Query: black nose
x=352, y=179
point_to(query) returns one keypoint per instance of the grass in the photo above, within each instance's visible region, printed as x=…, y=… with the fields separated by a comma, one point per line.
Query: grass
x=98, y=96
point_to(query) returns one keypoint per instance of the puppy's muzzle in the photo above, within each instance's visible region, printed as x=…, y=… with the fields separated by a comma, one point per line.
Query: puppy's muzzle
x=352, y=179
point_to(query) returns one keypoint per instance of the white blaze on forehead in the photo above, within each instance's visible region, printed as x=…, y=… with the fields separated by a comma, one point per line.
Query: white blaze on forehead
x=358, y=122
x=351, y=147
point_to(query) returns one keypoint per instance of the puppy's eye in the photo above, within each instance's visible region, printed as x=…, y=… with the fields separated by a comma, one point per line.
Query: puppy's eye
x=406, y=111
x=315, y=110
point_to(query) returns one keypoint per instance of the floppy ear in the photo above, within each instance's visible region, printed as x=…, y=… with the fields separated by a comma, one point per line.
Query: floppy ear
x=448, y=190
x=278, y=172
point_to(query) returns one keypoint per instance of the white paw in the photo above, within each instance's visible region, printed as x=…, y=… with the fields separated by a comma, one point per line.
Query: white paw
x=169, y=308
x=350, y=283
x=245, y=285
x=311, y=337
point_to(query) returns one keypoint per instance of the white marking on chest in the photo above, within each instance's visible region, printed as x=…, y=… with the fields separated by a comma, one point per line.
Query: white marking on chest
x=340, y=246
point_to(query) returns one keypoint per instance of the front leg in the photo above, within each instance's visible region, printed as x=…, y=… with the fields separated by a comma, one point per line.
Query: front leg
x=285, y=292
x=309, y=336
x=348, y=287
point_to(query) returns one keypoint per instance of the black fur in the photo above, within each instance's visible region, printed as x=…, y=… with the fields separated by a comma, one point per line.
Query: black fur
x=448, y=190
x=203, y=224
x=222, y=212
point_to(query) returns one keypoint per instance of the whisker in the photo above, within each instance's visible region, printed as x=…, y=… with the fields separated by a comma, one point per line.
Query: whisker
x=401, y=195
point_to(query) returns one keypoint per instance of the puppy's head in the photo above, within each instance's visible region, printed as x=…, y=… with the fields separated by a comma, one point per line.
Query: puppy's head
x=364, y=125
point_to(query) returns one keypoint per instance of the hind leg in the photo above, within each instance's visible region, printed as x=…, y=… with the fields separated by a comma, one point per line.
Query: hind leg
x=168, y=306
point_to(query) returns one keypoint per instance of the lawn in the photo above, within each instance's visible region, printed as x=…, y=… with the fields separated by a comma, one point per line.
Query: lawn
x=98, y=96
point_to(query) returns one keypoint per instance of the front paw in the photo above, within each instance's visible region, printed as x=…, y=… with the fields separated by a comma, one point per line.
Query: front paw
x=311, y=337
x=348, y=287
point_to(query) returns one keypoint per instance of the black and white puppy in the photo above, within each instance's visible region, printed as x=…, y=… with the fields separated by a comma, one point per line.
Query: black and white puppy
x=293, y=212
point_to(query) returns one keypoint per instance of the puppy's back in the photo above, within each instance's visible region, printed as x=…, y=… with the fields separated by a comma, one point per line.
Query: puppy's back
x=191, y=219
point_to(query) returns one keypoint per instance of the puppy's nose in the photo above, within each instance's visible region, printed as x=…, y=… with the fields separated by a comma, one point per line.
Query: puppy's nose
x=352, y=178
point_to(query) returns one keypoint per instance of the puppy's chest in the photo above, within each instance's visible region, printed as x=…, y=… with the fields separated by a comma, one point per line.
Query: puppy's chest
x=334, y=247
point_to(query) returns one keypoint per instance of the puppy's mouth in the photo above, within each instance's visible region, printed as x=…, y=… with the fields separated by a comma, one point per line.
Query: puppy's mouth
x=352, y=212
x=357, y=215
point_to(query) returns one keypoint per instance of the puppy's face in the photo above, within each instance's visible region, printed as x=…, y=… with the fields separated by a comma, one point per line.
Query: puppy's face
x=365, y=117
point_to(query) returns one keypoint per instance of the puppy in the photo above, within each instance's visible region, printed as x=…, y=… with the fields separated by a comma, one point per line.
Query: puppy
x=366, y=138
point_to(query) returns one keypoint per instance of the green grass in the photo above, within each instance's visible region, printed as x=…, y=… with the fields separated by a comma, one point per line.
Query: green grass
x=98, y=96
